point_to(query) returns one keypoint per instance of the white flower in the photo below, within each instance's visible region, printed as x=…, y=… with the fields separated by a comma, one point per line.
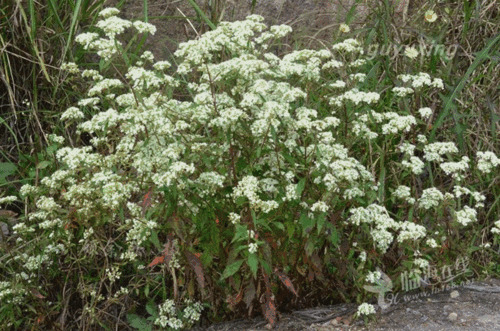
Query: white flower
x=8, y=199
x=373, y=277
x=410, y=230
x=466, y=215
x=319, y=206
x=496, y=229
x=252, y=248
x=107, y=12
x=430, y=16
x=143, y=27
x=113, y=25
x=344, y=28
x=70, y=67
x=434, y=151
x=415, y=164
x=86, y=39
x=402, y=91
x=338, y=84
x=431, y=243
x=421, y=263
x=422, y=139
x=486, y=161
x=234, y=218
x=411, y=52
x=349, y=46
x=455, y=168
x=362, y=256
x=365, y=309
x=430, y=198
x=380, y=220
x=425, y=112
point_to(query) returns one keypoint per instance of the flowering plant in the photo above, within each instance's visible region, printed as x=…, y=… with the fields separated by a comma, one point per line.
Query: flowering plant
x=239, y=171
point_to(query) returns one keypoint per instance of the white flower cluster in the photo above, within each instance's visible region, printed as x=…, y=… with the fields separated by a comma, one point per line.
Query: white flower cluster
x=456, y=169
x=430, y=198
x=245, y=132
x=411, y=231
x=168, y=315
x=349, y=46
x=249, y=188
x=402, y=91
x=425, y=112
x=8, y=199
x=365, y=309
x=435, y=151
x=486, y=161
x=496, y=228
x=466, y=215
x=404, y=192
x=415, y=164
x=373, y=277
x=381, y=222
x=355, y=96
x=422, y=79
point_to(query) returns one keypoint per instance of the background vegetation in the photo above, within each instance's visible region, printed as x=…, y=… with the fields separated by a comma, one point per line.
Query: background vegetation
x=36, y=38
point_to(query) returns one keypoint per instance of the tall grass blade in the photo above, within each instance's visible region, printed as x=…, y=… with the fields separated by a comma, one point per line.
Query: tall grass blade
x=202, y=14
x=482, y=56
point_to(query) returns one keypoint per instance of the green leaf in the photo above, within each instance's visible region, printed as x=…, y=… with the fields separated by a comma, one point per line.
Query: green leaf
x=241, y=232
x=253, y=263
x=7, y=169
x=232, y=269
x=306, y=222
x=320, y=222
x=154, y=239
x=266, y=266
x=138, y=322
x=300, y=186
x=334, y=236
x=151, y=308
x=279, y=225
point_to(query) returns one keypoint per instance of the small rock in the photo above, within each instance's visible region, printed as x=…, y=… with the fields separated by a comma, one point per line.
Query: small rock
x=452, y=317
x=454, y=294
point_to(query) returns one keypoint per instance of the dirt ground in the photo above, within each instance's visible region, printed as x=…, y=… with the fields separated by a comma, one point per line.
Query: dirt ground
x=473, y=307
x=314, y=21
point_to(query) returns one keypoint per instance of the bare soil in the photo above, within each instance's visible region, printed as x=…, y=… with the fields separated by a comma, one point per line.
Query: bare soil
x=477, y=307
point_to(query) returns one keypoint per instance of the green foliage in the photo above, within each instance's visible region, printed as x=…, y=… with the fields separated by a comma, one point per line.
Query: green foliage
x=238, y=172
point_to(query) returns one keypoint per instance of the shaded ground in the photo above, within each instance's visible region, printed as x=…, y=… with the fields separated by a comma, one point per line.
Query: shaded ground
x=476, y=307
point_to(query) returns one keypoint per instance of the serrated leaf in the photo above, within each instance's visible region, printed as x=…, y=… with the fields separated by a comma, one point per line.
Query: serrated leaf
x=265, y=266
x=7, y=169
x=300, y=186
x=154, y=239
x=241, y=232
x=151, y=308
x=232, y=269
x=253, y=263
x=43, y=165
x=279, y=225
x=334, y=236
x=138, y=322
x=320, y=222
x=306, y=222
